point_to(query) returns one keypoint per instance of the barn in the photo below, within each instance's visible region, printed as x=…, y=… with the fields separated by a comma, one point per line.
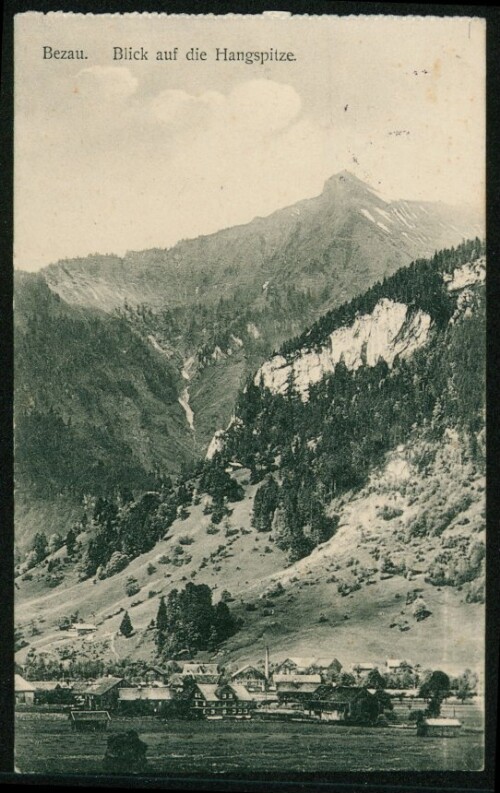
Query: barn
x=24, y=692
x=89, y=721
x=439, y=727
x=348, y=704
x=136, y=700
x=102, y=694
x=296, y=689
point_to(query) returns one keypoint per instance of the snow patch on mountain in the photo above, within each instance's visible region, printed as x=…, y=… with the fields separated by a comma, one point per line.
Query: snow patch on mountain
x=367, y=215
x=390, y=330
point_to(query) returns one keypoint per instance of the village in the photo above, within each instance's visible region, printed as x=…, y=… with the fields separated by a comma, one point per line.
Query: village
x=314, y=689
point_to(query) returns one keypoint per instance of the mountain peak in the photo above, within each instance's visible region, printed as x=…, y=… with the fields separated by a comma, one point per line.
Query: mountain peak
x=346, y=178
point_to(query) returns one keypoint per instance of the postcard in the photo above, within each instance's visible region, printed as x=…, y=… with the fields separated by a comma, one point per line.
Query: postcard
x=249, y=318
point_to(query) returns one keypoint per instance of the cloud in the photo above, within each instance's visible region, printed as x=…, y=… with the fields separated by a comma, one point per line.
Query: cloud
x=106, y=83
x=259, y=106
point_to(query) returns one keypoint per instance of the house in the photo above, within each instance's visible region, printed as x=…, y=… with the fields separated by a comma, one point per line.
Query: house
x=294, y=666
x=82, y=630
x=156, y=675
x=439, y=727
x=53, y=692
x=102, y=694
x=297, y=678
x=327, y=666
x=348, y=704
x=140, y=673
x=251, y=677
x=89, y=721
x=201, y=673
x=145, y=699
x=264, y=698
x=24, y=692
x=363, y=668
x=395, y=665
x=296, y=689
x=230, y=700
x=304, y=665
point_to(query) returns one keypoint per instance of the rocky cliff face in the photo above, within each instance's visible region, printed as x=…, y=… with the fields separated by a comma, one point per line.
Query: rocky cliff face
x=390, y=330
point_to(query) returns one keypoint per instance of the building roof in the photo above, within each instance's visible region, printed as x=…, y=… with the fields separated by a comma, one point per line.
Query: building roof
x=326, y=661
x=83, y=626
x=366, y=666
x=50, y=685
x=20, y=684
x=246, y=669
x=241, y=692
x=200, y=669
x=296, y=679
x=264, y=696
x=297, y=688
x=208, y=690
x=152, y=693
x=301, y=661
x=442, y=722
x=341, y=695
x=90, y=715
x=103, y=685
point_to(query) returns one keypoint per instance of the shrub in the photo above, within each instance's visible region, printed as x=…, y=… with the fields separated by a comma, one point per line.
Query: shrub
x=388, y=513
x=229, y=532
x=164, y=559
x=54, y=579
x=345, y=589
x=275, y=590
x=476, y=593
x=132, y=587
x=211, y=529
x=186, y=539
x=116, y=564
x=151, y=569
x=420, y=610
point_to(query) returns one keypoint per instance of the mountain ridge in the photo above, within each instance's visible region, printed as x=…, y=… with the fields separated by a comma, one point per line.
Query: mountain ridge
x=327, y=518
x=259, y=242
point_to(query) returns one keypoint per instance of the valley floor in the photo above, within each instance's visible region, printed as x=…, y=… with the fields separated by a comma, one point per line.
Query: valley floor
x=45, y=744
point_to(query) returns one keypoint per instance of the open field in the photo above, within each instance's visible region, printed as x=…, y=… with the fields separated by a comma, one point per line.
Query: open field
x=45, y=744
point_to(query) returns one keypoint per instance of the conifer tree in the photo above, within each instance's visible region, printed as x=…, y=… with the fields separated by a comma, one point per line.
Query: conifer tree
x=161, y=623
x=126, y=628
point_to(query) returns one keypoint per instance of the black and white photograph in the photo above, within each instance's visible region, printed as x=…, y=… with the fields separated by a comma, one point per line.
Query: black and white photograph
x=249, y=394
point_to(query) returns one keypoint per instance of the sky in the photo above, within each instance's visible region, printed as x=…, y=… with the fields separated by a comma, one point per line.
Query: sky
x=117, y=155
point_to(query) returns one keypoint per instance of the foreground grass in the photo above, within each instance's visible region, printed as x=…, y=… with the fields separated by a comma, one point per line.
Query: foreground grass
x=45, y=744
